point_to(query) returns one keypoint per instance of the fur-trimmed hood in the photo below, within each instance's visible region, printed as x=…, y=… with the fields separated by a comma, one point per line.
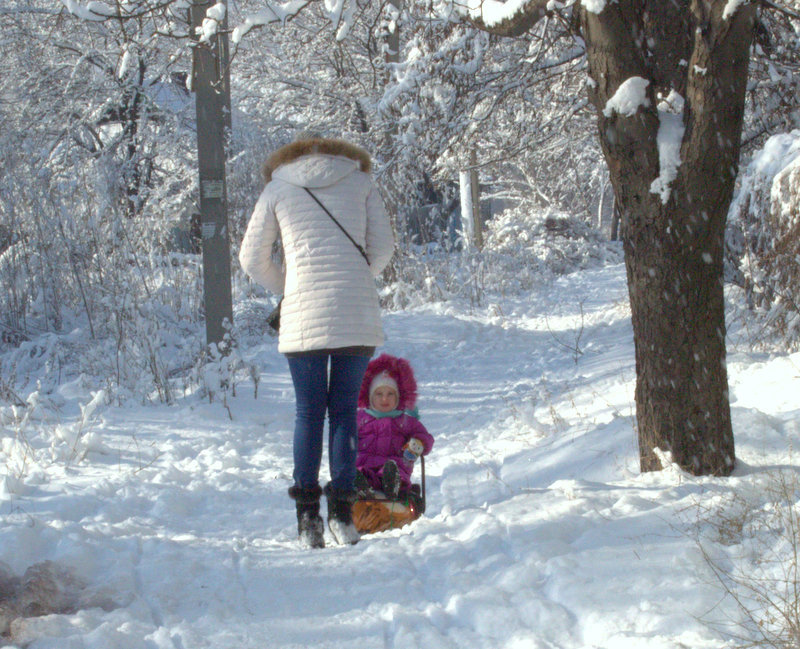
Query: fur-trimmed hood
x=324, y=146
x=400, y=370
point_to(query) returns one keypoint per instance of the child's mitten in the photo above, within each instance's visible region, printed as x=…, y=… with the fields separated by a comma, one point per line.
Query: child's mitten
x=412, y=450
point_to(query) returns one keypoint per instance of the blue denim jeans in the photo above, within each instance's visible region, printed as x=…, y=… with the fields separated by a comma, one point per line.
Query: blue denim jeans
x=316, y=394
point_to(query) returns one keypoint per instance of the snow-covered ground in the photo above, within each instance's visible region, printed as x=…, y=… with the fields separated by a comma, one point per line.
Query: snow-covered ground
x=169, y=527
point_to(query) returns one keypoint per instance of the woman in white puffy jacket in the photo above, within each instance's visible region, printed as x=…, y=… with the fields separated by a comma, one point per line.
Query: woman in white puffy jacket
x=330, y=314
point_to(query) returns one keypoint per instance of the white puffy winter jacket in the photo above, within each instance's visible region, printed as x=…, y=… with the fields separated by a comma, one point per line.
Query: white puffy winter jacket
x=329, y=295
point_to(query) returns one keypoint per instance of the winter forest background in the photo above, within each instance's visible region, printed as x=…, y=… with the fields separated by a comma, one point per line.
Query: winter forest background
x=101, y=276
x=99, y=180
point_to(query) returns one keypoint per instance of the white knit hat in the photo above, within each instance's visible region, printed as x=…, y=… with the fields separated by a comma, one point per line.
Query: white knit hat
x=383, y=379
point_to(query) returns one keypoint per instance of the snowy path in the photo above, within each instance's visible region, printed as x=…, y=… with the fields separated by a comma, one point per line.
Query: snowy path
x=176, y=532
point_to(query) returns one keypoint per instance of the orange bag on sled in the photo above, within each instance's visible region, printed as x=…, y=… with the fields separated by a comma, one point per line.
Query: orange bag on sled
x=376, y=515
x=371, y=515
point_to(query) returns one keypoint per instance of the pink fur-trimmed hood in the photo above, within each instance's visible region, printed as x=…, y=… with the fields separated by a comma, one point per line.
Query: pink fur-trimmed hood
x=400, y=370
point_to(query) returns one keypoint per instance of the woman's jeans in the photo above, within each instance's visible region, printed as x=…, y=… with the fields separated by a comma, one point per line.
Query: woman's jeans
x=315, y=394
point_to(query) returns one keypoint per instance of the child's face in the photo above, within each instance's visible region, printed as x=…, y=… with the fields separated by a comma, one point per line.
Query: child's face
x=384, y=399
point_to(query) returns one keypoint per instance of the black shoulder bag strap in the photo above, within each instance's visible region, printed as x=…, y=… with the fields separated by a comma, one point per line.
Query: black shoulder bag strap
x=346, y=233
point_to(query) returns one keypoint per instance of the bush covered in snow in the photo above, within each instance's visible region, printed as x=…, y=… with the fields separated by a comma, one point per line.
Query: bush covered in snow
x=524, y=247
x=765, y=233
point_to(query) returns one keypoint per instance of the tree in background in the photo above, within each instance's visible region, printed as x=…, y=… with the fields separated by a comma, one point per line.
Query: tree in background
x=518, y=105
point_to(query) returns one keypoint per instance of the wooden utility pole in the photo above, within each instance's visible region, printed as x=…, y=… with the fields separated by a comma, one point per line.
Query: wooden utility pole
x=210, y=83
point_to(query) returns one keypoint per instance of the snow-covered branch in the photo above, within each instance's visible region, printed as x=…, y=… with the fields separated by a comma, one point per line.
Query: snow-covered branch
x=512, y=18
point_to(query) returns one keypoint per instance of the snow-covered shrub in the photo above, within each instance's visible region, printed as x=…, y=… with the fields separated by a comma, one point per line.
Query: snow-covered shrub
x=525, y=244
x=765, y=232
x=45, y=429
x=750, y=539
x=523, y=247
x=217, y=370
x=251, y=316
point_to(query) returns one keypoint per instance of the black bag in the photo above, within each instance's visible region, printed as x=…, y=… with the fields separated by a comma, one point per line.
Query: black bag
x=274, y=318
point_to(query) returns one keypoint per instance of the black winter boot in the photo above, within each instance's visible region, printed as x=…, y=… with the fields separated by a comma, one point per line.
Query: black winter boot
x=363, y=488
x=340, y=515
x=309, y=523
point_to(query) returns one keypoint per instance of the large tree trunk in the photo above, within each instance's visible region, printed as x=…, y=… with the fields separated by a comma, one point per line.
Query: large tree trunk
x=673, y=240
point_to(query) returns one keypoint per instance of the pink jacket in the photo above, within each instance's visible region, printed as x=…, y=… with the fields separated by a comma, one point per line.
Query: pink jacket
x=383, y=439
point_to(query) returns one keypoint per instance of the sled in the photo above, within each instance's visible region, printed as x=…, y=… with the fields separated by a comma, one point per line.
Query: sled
x=378, y=513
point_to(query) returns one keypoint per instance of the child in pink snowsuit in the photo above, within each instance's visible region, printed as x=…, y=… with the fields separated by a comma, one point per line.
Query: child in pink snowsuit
x=390, y=435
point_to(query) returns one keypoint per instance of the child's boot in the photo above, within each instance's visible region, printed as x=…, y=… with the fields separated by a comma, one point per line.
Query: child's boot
x=363, y=488
x=340, y=515
x=309, y=523
x=390, y=480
